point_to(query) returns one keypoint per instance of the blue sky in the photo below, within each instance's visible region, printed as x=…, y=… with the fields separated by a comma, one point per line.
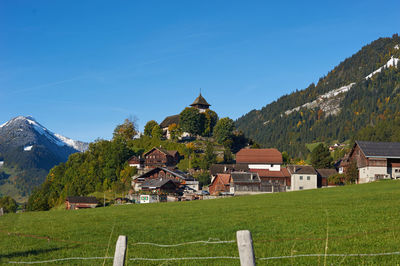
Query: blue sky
x=82, y=67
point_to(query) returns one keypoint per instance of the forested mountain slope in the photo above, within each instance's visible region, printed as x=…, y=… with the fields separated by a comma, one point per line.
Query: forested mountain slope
x=359, y=92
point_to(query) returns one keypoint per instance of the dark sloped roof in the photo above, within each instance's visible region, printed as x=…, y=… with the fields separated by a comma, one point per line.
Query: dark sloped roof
x=77, y=199
x=176, y=172
x=220, y=168
x=301, y=169
x=156, y=183
x=259, y=156
x=169, y=120
x=245, y=177
x=200, y=101
x=380, y=149
x=325, y=173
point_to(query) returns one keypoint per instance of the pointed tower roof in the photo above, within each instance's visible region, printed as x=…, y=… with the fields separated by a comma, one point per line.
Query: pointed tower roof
x=200, y=101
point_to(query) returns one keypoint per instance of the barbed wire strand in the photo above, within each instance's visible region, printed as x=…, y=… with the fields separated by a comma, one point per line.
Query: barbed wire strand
x=211, y=258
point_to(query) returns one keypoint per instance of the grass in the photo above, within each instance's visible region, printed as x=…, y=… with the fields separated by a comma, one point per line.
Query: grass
x=312, y=146
x=345, y=220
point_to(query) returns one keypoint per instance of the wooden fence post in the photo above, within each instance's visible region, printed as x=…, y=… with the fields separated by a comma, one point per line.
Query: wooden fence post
x=120, y=251
x=245, y=246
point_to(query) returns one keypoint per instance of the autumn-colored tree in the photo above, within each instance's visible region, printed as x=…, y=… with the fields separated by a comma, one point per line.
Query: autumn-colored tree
x=174, y=131
x=127, y=130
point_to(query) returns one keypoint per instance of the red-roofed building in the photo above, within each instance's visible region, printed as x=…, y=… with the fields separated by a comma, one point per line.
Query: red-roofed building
x=261, y=159
x=273, y=181
x=221, y=183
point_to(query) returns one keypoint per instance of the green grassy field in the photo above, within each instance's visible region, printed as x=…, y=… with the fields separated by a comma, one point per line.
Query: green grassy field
x=347, y=220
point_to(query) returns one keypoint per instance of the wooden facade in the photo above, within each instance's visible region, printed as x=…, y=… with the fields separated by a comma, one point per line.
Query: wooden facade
x=158, y=157
x=75, y=203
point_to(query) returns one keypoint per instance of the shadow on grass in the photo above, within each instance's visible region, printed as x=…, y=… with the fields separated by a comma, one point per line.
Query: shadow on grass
x=31, y=252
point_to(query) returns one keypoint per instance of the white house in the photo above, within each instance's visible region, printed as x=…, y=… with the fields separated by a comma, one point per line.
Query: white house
x=302, y=177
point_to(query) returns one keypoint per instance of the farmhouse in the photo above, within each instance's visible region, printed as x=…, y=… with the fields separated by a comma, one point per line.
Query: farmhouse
x=376, y=160
x=74, y=203
x=158, y=157
x=182, y=178
x=260, y=159
x=160, y=185
x=273, y=181
x=302, y=177
x=136, y=161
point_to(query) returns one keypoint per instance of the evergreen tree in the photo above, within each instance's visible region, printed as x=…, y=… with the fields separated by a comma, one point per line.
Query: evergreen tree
x=321, y=157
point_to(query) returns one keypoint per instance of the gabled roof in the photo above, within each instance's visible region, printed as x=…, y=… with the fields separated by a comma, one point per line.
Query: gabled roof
x=380, y=149
x=259, y=156
x=224, y=178
x=224, y=168
x=176, y=173
x=267, y=173
x=325, y=173
x=245, y=177
x=157, y=183
x=171, y=153
x=301, y=169
x=169, y=120
x=200, y=101
x=77, y=199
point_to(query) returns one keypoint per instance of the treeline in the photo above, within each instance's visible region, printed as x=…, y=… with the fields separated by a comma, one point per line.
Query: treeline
x=366, y=103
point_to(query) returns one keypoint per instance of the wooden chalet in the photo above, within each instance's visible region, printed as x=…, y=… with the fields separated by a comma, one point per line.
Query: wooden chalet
x=245, y=182
x=136, y=161
x=375, y=160
x=161, y=185
x=157, y=173
x=75, y=203
x=273, y=181
x=158, y=157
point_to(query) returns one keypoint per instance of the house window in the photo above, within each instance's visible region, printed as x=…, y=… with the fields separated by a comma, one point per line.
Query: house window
x=308, y=177
x=300, y=188
x=301, y=177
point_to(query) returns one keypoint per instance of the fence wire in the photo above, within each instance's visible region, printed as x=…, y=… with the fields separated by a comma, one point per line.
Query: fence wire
x=213, y=258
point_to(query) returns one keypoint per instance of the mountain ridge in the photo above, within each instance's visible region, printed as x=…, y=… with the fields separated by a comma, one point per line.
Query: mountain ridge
x=367, y=78
x=28, y=151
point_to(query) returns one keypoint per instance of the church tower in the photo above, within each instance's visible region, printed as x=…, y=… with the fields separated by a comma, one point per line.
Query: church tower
x=201, y=104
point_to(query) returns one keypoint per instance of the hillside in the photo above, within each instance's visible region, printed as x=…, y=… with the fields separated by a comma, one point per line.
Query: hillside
x=28, y=151
x=358, y=219
x=360, y=91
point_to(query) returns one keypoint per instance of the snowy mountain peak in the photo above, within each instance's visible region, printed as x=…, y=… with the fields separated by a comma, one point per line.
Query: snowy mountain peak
x=57, y=139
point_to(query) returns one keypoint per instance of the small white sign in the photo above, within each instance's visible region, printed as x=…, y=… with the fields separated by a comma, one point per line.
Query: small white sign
x=144, y=198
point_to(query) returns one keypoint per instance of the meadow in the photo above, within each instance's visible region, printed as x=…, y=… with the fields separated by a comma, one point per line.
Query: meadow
x=356, y=219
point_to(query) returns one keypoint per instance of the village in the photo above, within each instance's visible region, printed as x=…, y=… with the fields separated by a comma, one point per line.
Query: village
x=254, y=171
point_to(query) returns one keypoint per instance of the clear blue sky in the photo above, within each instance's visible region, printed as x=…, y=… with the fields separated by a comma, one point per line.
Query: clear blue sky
x=82, y=67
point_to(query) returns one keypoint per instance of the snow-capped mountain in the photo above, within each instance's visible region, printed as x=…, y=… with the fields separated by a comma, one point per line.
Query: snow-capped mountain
x=19, y=127
x=28, y=151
